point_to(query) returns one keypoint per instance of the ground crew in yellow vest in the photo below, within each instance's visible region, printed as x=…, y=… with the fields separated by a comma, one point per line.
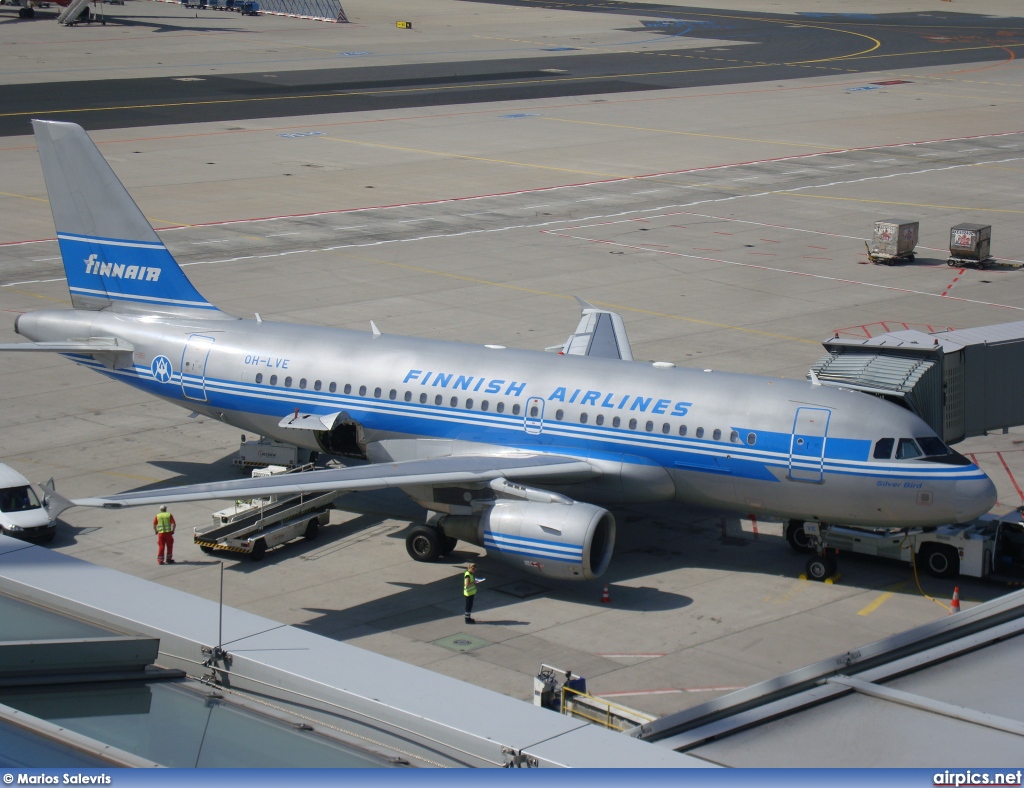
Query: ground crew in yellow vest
x=163, y=527
x=469, y=584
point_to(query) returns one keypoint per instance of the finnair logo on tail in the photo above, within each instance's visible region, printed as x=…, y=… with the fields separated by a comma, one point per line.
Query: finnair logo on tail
x=93, y=265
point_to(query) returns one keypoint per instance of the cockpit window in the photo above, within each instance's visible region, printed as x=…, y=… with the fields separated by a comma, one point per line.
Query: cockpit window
x=883, y=448
x=907, y=449
x=933, y=447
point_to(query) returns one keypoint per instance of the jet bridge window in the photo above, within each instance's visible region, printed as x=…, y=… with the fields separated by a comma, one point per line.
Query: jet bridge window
x=259, y=377
x=907, y=449
x=883, y=448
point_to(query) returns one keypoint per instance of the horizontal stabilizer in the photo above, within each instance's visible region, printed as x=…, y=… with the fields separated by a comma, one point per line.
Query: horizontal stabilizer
x=460, y=469
x=600, y=334
x=91, y=345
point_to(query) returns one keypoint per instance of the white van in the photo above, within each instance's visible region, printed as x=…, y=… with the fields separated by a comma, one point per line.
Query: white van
x=22, y=515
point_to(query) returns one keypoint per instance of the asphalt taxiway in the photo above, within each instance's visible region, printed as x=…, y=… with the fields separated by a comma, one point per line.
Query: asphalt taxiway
x=725, y=219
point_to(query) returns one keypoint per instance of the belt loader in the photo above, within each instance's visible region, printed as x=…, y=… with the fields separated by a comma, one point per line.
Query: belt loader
x=254, y=526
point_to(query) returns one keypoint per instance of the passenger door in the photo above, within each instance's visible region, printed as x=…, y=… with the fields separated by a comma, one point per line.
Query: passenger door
x=193, y=367
x=533, y=417
x=807, y=444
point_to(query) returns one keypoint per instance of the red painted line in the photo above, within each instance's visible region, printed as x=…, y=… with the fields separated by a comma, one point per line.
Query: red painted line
x=811, y=257
x=716, y=232
x=764, y=254
x=769, y=240
x=700, y=249
x=955, y=280
x=817, y=247
x=1016, y=486
x=753, y=519
x=975, y=459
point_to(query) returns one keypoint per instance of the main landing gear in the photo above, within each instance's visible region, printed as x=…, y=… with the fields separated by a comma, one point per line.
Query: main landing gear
x=807, y=538
x=429, y=543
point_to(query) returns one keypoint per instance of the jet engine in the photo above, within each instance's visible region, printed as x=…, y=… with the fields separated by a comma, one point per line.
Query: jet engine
x=570, y=540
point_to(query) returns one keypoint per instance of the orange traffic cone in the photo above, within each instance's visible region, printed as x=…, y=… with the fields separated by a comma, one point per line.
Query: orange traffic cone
x=605, y=597
x=955, y=606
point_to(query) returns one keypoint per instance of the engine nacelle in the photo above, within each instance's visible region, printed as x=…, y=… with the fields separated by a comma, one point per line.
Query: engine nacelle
x=570, y=541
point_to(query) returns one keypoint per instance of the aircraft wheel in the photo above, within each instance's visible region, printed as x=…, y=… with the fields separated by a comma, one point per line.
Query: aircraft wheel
x=312, y=529
x=821, y=568
x=448, y=544
x=26, y=13
x=798, y=538
x=423, y=543
x=258, y=550
x=941, y=560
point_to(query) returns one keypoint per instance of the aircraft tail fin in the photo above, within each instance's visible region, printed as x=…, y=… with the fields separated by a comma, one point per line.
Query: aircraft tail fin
x=112, y=256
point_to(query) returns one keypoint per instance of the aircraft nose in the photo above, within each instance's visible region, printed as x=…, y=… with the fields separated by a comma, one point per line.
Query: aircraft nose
x=973, y=498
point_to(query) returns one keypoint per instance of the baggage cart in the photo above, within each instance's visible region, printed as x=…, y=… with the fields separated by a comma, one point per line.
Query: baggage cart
x=970, y=244
x=893, y=241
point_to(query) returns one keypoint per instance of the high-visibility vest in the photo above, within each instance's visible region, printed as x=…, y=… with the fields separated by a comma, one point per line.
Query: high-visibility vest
x=163, y=522
x=468, y=584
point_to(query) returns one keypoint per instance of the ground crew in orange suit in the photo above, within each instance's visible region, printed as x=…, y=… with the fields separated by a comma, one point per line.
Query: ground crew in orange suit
x=163, y=527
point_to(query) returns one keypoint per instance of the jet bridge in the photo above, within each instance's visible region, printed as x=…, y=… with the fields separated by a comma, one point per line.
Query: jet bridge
x=963, y=383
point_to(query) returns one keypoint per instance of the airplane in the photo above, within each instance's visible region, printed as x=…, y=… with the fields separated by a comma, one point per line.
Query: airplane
x=27, y=8
x=516, y=451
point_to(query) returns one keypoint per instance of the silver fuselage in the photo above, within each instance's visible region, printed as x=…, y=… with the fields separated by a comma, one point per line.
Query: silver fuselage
x=750, y=444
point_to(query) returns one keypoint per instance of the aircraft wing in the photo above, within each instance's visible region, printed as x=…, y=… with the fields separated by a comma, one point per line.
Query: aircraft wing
x=600, y=333
x=90, y=345
x=441, y=470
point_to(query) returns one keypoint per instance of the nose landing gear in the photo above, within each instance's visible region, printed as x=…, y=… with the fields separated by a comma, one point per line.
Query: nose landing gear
x=822, y=566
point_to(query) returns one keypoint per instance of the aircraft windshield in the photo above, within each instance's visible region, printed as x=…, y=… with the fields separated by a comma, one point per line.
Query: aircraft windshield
x=18, y=499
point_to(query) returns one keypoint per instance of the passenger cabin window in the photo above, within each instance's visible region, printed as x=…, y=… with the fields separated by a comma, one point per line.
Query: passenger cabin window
x=616, y=421
x=751, y=439
x=583, y=418
x=534, y=412
x=559, y=414
x=423, y=399
x=376, y=392
x=907, y=449
x=883, y=448
x=438, y=400
x=259, y=377
x=717, y=435
x=500, y=407
x=333, y=387
x=392, y=394
x=599, y=420
x=302, y=383
x=515, y=410
x=469, y=404
x=408, y=396
x=649, y=426
x=700, y=432
x=454, y=402
x=362, y=391
x=485, y=405
x=682, y=430
x=288, y=382
x=734, y=437
x=632, y=424
x=666, y=428
x=273, y=380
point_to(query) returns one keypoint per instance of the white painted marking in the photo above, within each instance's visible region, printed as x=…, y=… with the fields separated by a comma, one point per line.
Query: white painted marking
x=204, y=243
x=590, y=199
x=353, y=227
x=751, y=178
x=649, y=191
x=407, y=221
x=880, y=161
x=477, y=213
x=838, y=166
x=545, y=205
x=44, y=259
x=278, y=235
x=967, y=150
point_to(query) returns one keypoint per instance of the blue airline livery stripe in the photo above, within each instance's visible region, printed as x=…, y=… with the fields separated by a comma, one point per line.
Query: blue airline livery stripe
x=570, y=554
x=111, y=241
x=142, y=299
x=576, y=440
